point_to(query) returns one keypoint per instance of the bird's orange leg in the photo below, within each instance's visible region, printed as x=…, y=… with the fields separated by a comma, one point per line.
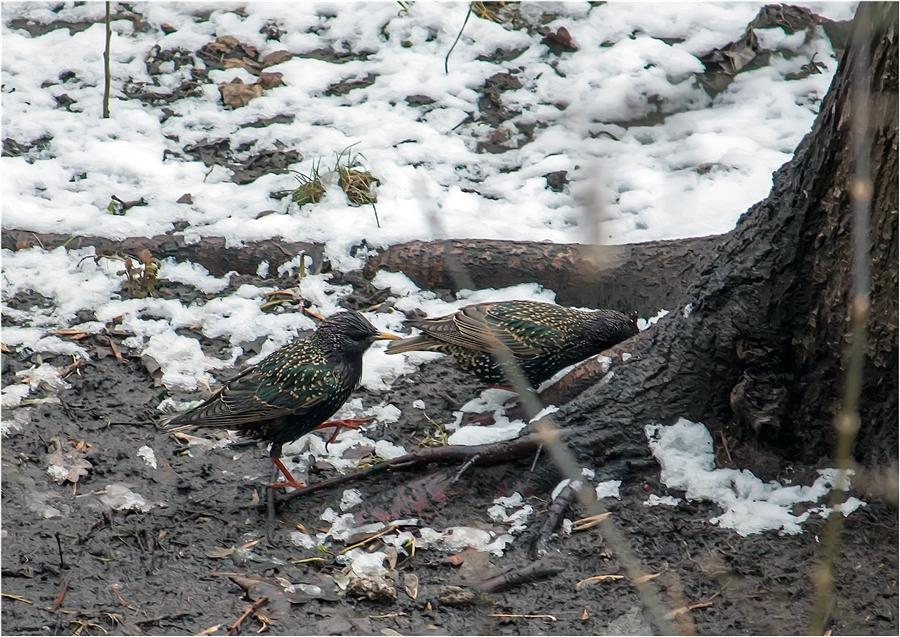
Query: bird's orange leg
x=290, y=480
x=346, y=423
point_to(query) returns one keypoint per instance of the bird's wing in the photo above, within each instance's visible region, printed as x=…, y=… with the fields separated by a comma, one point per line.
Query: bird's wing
x=258, y=395
x=476, y=327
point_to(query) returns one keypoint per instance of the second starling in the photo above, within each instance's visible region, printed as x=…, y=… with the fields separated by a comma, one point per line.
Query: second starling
x=291, y=391
x=541, y=337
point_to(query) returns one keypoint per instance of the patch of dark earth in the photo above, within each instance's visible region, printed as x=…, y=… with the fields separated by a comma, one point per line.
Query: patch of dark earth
x=159, y=572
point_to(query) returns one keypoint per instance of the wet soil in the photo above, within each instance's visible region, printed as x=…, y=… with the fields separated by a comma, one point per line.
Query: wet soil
x=158, y=572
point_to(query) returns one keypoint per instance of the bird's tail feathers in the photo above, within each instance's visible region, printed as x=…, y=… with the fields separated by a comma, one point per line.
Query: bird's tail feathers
x=420, y=343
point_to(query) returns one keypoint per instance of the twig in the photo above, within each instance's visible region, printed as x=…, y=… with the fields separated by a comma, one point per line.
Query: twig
x=107, y=78
x=598, y=578
x=686, y=609
x=62, y=563
x=61, y=597
x=458, y=36
x=516, y=577
x=482, y=455
x=17, y=598
x=249, y=611
x=555, y=513
x=468, y=463
x=846, y=421
x=725, y=446
x=517, y=616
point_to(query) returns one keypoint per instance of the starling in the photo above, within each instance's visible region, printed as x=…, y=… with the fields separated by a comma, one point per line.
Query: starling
x=291, y=391
x=542, y=337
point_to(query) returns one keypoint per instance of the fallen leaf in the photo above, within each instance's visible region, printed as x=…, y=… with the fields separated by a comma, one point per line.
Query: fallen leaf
x=219, y=553
x=559, y=41
x=236, y=93
x=69, y=466
x=598, y=578
x=411, y=585
x=276, y=57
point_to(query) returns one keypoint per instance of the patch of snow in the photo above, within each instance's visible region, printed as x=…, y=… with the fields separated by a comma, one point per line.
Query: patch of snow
x=644, y=323
x=685, y=454
x=562, y=485
x=458, y=538
x=388, y=450
x=148, y=456
x=119, y=497
x=192, y=274
x=13, y=395
x=665, y=500
x=44, y=376
x=303, y=540
x=608, y=489
x=546, y=411
x=350, y=498
x=418, y=404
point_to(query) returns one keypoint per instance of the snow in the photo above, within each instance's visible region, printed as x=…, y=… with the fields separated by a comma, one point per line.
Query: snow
x=490, y=401
x=146, y=453
x=512, y=511
x=350, y=498
x=119, y=497
x=665, y=500
x=749, y=505
x=608, y=489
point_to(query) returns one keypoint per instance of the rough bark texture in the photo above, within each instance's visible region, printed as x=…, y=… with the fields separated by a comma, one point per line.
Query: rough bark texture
x=758, y=339
x=211, y=252
x=645, y=277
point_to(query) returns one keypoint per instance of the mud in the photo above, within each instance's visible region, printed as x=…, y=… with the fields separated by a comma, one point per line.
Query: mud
x=157, y=572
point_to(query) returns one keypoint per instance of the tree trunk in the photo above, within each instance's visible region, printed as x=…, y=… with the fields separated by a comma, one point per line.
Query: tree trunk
x=758, y=339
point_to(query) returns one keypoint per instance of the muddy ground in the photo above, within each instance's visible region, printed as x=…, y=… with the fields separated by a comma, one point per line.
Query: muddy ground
x=156, y=572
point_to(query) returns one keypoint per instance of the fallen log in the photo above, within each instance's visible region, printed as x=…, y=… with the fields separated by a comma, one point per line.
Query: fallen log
x=645, y=277
x=211, y=252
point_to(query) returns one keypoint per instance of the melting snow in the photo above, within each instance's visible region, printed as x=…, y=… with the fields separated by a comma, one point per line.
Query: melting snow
x=685, y=453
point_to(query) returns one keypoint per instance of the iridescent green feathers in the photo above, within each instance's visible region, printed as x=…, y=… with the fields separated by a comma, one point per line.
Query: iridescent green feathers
x=294, y=388
x=542, y=337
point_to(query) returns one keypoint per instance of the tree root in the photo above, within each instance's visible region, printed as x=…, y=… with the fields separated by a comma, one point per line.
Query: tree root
x=516, y=577
x=479, y=455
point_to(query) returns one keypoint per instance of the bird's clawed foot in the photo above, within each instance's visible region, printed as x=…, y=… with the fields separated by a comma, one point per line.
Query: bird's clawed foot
x=289, y=479
x=283, y=484
x=346, y=423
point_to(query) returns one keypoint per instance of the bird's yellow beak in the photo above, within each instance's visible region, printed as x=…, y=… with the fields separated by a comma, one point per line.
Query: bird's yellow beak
x=387, y=336
x=311, y=312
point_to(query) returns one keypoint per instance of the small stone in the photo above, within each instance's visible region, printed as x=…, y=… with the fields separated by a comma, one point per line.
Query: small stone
x=167, y=28
x=185, y=198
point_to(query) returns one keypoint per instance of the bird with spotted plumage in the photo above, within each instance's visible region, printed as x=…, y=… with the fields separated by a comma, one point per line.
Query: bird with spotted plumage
x=293, y=390
x=542, y=338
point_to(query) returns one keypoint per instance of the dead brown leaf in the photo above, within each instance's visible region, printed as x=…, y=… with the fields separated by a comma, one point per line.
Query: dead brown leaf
x=411, y=585
x=237, y=94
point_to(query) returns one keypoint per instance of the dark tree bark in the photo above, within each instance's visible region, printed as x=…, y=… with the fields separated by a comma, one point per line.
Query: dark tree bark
x=759, y=337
